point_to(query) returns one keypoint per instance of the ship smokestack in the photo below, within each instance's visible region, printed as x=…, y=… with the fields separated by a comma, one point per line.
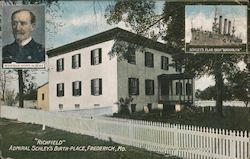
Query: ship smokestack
x=220, y=24
x=225, y=26
x=229, y=27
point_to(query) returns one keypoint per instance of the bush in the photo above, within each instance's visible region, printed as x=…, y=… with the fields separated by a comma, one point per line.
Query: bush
x=124, y=105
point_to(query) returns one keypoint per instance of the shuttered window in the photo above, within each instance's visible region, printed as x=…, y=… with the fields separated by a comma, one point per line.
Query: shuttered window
x=149, y=87
x=76, y=61
x=131, y=55
x=149, y=59
x=60, y=65
x=133, y=86
x=60, y=89
x=96, y=87
x=96, y=56
x=76, y=88
x=164, y=63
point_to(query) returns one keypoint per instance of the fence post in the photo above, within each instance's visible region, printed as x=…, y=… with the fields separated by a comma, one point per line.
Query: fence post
x=232, y=144
x=96, y=129
x=175, y=139
x=130, y=132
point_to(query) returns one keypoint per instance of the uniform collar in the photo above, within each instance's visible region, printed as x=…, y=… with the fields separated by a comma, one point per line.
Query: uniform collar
x=25, y=42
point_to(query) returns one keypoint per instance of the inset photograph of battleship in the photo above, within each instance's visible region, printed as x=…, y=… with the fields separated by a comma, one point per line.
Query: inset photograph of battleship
x=216, y=29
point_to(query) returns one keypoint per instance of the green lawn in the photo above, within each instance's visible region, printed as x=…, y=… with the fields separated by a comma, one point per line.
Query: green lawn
x=23, y=134
x=235, y=118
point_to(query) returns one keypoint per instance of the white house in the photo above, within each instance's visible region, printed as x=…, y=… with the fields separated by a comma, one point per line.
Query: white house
x=1, y=25
x=83, y=75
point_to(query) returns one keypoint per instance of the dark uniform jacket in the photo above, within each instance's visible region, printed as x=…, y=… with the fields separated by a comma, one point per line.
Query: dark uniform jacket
x=30, y=53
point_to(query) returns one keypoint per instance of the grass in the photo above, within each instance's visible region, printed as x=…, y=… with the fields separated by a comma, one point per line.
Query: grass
x=235, y=118
x=23, y=134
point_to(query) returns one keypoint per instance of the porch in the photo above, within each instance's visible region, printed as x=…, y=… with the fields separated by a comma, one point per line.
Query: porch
x=176, y=89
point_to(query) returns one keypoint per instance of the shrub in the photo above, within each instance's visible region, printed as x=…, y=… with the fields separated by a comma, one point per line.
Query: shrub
x=124, y=105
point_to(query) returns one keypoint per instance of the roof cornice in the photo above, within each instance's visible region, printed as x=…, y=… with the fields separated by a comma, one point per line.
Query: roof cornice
x=112, y=34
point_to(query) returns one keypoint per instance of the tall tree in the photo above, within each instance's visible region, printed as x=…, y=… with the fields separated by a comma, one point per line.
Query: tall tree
x=4, y=79
x=139, y=16
x=20, y=87
x=3, y=83
x=238, y=82
x=174, y=18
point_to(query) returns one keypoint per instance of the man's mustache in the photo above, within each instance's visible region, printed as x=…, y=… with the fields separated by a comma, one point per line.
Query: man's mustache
x=19, y=32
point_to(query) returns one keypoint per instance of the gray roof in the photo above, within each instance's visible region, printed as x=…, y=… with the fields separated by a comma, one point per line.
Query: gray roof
x=179, y=76
x=115, y=33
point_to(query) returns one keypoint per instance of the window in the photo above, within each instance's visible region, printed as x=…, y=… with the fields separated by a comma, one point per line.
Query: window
x=76, y=88
x=133, y=108
x=42, y=96
x=188, y=89
x=60, y=106
x=77, y=106
x=76, y=61
x=60, y=89
x=149, y=59
x=96, y=56
x=133, y=86
x=178, y=88
x=60, y=65
x=96, y=87
x=149, y=105
x=149, y=87
x=164, y=63
x=131, y=55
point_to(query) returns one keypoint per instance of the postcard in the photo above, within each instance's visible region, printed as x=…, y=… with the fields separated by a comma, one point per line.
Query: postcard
x=124, y=79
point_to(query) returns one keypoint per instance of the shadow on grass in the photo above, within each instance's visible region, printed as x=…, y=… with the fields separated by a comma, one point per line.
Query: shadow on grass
x=23, y=134
x=234, y=118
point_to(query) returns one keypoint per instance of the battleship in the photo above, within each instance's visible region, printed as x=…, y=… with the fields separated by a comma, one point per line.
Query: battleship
x=219, y=36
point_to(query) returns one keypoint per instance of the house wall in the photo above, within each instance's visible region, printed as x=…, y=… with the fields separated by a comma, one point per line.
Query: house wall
x=114, y=75
x=43, y=103
x=140, y=71
x=107, y=70
x=1, y=35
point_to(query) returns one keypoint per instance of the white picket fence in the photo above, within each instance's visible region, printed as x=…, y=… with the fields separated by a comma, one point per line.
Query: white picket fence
x=188, y=142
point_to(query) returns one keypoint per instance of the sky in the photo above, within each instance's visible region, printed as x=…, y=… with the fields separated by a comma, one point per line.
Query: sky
x=202, y=16
x=81, y=19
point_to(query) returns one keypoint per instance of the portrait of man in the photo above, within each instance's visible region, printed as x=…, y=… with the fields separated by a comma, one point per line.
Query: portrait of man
x=24, y=49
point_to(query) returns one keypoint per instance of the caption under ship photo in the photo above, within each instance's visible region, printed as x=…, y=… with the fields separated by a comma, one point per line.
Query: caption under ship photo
x=221, y=39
